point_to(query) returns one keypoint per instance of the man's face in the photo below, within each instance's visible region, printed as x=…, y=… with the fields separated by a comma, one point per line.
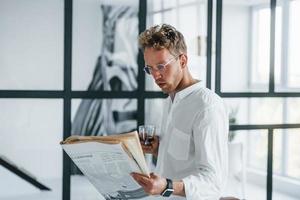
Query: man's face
x=165, y=68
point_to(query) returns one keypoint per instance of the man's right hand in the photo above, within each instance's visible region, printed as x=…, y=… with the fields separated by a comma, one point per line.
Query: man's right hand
x=152, y=148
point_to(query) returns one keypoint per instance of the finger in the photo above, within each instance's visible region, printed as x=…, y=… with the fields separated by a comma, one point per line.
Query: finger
x=144, y=180
x=136, y=175
x=153, y=176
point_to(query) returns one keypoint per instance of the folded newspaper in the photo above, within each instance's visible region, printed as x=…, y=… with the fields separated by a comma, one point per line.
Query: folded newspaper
x=107, y=162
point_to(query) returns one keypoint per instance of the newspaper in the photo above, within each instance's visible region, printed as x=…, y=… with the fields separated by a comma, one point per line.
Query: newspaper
x=108, y=168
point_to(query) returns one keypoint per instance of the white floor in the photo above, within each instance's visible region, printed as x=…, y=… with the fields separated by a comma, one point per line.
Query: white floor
x=14, y=188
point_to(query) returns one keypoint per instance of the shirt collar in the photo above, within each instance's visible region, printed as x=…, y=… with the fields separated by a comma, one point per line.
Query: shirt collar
x=187, y=91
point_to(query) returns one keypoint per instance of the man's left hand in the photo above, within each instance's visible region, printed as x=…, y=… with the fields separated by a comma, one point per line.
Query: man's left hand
x=154, y=185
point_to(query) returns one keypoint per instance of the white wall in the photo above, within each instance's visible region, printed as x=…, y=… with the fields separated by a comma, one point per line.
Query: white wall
x=235, y=47
x=31, y=130
x=31, y=50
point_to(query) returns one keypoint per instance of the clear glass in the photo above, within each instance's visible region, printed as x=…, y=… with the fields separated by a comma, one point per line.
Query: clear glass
x=99, y=117
x=190, y=30
x=167, y=4
x=294, y=59
x=195, y=34
x=146, y=133
x=170, y=17
x=157, y=18
x=32, y=44
x=103, y=116
x=248, y=54
x=289, y=72
x=293, y=154
x=154, y=5
x=31, y=130
x=107, y=34
x=247, y=165
x=263, y=110
x=182, y=2
x=286, y=177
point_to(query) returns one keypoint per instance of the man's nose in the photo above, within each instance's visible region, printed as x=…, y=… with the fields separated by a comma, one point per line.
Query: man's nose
x=156, y=74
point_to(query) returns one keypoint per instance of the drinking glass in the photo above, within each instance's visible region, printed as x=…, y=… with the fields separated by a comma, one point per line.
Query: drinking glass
x=146, y=134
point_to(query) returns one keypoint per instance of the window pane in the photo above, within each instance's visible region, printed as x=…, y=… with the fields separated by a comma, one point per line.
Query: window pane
x=263, y=110
x=293, y=153
x=105, y=46
x=279, y=57
x=103, y=116
x=294, y=48
x=31, y=50
x=195, y=34
x=286, y=180
x=99, y=117
x=154, y=5
x=290, y=76
x=182, y=2
x=157, y=18
x=169, y=4
x=247, y=55
x=31, y=130
x=170, y=17
x=190, y=30
x=247, y=164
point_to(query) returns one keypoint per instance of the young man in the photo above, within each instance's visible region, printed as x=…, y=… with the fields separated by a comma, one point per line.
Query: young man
x=192, y=150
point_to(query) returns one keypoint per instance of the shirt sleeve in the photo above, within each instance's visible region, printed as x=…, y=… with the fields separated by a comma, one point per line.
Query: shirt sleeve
x=210, y=135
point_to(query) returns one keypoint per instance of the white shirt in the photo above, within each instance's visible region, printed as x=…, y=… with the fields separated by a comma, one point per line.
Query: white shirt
x=193, y=143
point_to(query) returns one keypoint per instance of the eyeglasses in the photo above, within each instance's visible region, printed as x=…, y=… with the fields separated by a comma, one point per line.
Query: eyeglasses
x=160, y=67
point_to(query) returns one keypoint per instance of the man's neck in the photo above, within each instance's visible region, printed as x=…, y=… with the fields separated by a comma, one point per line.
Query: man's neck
x=184, y=85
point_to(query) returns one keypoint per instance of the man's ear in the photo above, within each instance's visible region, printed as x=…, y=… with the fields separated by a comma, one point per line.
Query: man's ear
x=183, y=60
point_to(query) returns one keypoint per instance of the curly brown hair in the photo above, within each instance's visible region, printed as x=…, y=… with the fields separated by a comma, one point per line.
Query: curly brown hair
x=163, y=36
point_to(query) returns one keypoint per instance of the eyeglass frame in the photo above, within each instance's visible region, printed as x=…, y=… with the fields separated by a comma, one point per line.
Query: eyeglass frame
x=159, y=67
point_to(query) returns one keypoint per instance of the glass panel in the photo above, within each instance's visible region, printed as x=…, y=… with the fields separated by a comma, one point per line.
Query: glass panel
x=154, y=5
x=247, y=164
x=294, y=59
x=293, y=153
x=190, y=30
x=293, y=115
x=167, y=4
x=170, y=17
x=99, y=117
x=31, y=50
x=182, y=2
x=103, y=116
x=289, y=75
x=31, y=130
x=157, y=18
x=195, y=35
x=263, y=110
x=286, y=176
x=107, y=34
x=248, y=54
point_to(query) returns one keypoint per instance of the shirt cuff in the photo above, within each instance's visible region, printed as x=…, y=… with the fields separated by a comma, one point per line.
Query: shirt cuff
x=187, y=188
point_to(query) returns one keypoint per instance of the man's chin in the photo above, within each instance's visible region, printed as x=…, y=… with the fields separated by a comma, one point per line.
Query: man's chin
x=165, y=90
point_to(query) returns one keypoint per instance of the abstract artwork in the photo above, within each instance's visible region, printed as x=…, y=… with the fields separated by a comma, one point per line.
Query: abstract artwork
x=116, y=70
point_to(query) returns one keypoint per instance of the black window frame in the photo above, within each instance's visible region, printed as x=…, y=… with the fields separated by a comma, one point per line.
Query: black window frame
x=141, y=94
x=271, y=93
